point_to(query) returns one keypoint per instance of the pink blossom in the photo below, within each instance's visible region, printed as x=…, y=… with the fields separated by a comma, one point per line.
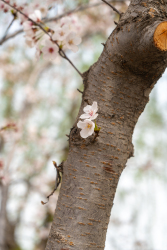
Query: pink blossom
x=87, y=127
x=60, y=33
x=28, y=28
x=65, y=22
x=50, y=50
x=72, y=41
x=90, y=112
x=36, y=16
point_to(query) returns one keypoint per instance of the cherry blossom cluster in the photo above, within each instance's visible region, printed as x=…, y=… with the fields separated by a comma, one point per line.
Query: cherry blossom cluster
x=88, y=127
x=47, y=40
x=62, y=36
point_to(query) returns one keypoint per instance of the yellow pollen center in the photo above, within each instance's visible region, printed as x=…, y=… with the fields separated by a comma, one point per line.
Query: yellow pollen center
x=70, y=42
x=61, y=33
x=89, y=126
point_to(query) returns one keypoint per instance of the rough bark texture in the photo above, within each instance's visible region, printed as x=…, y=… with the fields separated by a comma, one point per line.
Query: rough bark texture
x=4, y=196
x=120, y=82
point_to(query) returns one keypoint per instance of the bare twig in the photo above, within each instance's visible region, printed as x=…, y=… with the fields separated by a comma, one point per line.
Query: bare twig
x=114, y=9
x=6, y=32
x=11, y=36
x=58, y=180
x=61, y=52
x=80, y=91
x=43, y=203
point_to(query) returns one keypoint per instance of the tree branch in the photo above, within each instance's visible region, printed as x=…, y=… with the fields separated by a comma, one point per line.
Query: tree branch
x=114, y=9
x=6, y=32
x=11, y=36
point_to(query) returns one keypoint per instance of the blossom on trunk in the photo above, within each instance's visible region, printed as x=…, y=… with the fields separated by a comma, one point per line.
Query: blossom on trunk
x=87, y=127
x=72, y=40
x=90, y=112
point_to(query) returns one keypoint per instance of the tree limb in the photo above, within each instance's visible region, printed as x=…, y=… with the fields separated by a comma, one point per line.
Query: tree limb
x=114, y=9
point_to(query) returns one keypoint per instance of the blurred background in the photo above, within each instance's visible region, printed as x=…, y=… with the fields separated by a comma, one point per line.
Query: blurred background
x=38, y=105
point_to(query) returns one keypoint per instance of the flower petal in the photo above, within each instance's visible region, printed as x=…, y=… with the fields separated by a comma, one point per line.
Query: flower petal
x=81, y=124
x=73, y=47
x=91, y=130
x=77, y=40
x=85, y=116
x=93, y=116
x=94, y=106
x=84, y=133
x=87, y=109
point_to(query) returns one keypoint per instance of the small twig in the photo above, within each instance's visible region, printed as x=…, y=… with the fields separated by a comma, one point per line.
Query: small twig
x=61, y=52
x=6, y=32
x=114, y=9
x=103, y=44
x=42, y=202
x=11, y=36
x=58, y=180
x=65, y=57
x=68, y=136
x=80, y=91
x=115, y=23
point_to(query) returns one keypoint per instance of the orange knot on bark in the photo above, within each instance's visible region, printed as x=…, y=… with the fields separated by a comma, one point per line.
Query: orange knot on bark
x=160, y=36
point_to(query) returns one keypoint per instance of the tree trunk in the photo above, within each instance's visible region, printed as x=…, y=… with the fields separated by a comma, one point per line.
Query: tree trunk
x=3, y=224
x=133, y=59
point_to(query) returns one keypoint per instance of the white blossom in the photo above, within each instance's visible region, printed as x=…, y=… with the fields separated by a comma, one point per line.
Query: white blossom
x=72, y=41
x=66, y=22
x=87, y=127
x=50, y=50
x=60, y=33
x=28, y=28
x=90, y=112
x=36, y=16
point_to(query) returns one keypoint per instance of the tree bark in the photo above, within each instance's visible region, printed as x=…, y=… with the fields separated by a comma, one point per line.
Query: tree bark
x=3, y=221
x=133, y=59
